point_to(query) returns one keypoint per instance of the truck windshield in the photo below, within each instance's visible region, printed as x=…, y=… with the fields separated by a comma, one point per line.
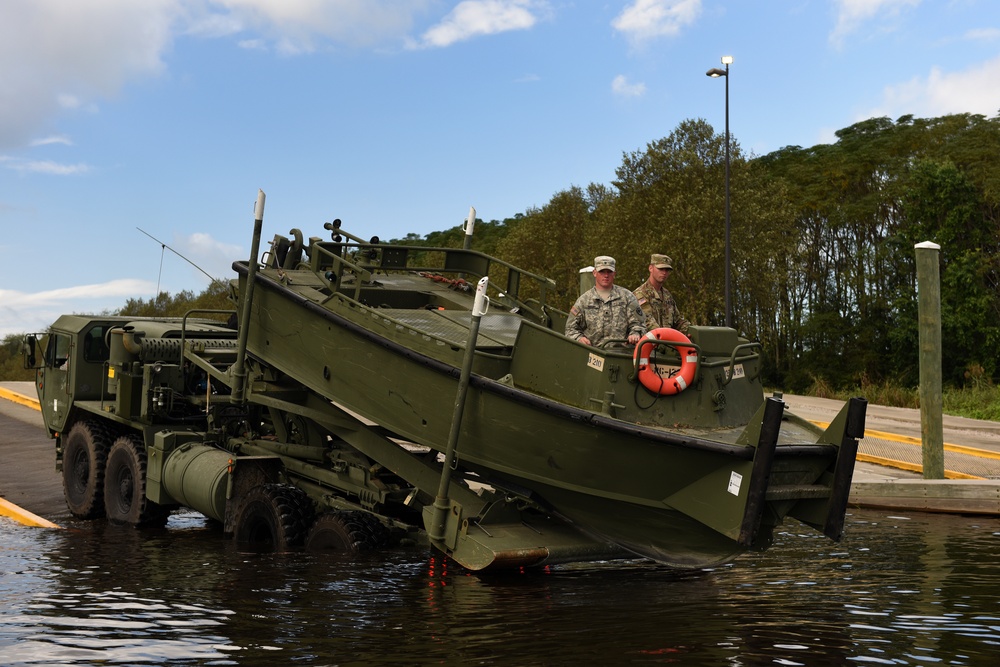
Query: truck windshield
x=95, y=349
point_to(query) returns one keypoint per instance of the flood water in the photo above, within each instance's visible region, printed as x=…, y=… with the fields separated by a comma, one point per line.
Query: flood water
x=913, y=589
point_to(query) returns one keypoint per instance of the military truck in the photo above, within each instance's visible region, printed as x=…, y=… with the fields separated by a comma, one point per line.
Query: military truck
x=356, y=396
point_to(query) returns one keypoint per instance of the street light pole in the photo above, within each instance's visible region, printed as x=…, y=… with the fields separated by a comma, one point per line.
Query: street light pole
x=716, y=73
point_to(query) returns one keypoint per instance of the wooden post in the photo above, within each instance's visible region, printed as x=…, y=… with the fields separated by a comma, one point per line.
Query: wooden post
x=929, y=318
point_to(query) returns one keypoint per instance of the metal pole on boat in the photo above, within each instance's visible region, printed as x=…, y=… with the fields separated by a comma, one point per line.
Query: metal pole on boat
x=239, y=368
x=441, y=502
x=469, y=224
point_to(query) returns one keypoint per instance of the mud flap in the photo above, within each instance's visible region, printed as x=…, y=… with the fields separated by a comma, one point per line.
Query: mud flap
x=825, y=513
x=760, y=477
x=850, y=423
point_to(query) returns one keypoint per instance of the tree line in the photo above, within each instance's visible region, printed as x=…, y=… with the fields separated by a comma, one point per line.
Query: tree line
x=822, y=244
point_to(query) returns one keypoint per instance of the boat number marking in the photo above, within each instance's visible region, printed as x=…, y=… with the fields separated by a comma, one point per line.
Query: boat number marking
x=666, y=371
x=738, y=371
x=596, y=362
x=735, y=480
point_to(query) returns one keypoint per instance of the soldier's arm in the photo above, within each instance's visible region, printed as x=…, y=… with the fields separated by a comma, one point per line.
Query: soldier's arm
x=679, y=322
x=576, y=323
x=637, y=321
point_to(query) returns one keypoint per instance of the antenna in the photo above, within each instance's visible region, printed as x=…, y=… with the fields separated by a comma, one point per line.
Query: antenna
x=164, y=246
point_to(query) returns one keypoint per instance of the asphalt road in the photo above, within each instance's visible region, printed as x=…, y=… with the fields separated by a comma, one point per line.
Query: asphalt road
x=28, y=476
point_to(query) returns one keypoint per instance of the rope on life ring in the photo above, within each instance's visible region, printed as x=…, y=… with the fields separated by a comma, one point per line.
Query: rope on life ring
x=652, y=380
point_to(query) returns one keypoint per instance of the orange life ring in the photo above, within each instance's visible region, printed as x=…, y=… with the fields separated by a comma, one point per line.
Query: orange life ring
x=651, y=379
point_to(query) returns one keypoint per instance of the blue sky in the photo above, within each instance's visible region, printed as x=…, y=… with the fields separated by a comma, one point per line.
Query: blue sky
x=398, y=115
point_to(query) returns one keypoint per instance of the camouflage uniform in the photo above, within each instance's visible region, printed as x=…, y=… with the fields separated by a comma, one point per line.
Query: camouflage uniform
x=659, y=307
x=600, y=320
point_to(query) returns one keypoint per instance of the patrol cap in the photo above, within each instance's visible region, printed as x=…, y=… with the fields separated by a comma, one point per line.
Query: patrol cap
x=661, y=262
x=604, y=262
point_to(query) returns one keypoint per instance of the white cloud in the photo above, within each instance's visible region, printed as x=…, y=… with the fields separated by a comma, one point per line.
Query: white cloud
x=473, y=18
x=852, y=13
x=30, y=312
x=43, y=166
x=647, y=19
x=54, y=139
x=62, y=56
x=126, y=287
x=621, y=87
x=941, y=93
x=300, y=26
x=212, y=256
x=253, y=44
x=984, y=34
x=56, y=54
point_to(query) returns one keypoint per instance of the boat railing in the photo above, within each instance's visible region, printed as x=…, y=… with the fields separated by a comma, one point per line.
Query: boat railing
x=734, y=359
x=730, y=364
x=334, y=260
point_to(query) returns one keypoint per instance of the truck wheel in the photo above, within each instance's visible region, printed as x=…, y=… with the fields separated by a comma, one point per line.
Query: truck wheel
x=273, y=517
x=353, y=532
x=125, y=499
x=84, y=454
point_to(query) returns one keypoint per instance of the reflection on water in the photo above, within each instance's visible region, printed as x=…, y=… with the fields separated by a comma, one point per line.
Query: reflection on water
x=916, y=589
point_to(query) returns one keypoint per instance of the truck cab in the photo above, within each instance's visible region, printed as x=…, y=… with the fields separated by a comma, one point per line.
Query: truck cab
x=72, y=366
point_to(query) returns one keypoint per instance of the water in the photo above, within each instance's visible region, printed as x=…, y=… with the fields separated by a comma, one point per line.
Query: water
x=899, y=590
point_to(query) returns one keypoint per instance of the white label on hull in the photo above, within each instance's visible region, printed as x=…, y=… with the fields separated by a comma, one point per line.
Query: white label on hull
x=596, y=362
x=738, y=371
x=735, y=480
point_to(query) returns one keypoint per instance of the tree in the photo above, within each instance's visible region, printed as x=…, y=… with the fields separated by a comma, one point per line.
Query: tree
x=944, y=205
x=11, y=363
x=671, y=199
x=547, y=241
x=862, y=204
x=215, y=297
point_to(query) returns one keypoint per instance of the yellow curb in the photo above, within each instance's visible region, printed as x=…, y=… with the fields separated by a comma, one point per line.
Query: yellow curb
x=7, y=508
x=22, y=515
x=26, y=401
x=912, y=467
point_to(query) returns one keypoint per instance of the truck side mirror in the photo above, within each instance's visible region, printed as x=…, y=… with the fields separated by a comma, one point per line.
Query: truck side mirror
x=28, y=349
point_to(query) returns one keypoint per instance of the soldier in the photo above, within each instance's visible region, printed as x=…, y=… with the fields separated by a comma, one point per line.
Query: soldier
x=605, y=311
x=655, y=300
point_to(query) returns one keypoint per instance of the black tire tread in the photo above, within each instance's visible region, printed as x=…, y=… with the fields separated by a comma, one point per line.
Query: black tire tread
x=146, y=514
x=100, y=436
x=353, y=532
x=285, y=509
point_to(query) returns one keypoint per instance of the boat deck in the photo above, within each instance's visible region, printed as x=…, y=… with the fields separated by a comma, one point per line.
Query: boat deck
x=438, y=309
x=497, y=331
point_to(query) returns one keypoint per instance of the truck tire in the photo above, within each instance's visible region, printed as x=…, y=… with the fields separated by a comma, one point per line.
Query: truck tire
x=125, y=501
x=351, y=532
x=273, y=517
x=85, y=452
